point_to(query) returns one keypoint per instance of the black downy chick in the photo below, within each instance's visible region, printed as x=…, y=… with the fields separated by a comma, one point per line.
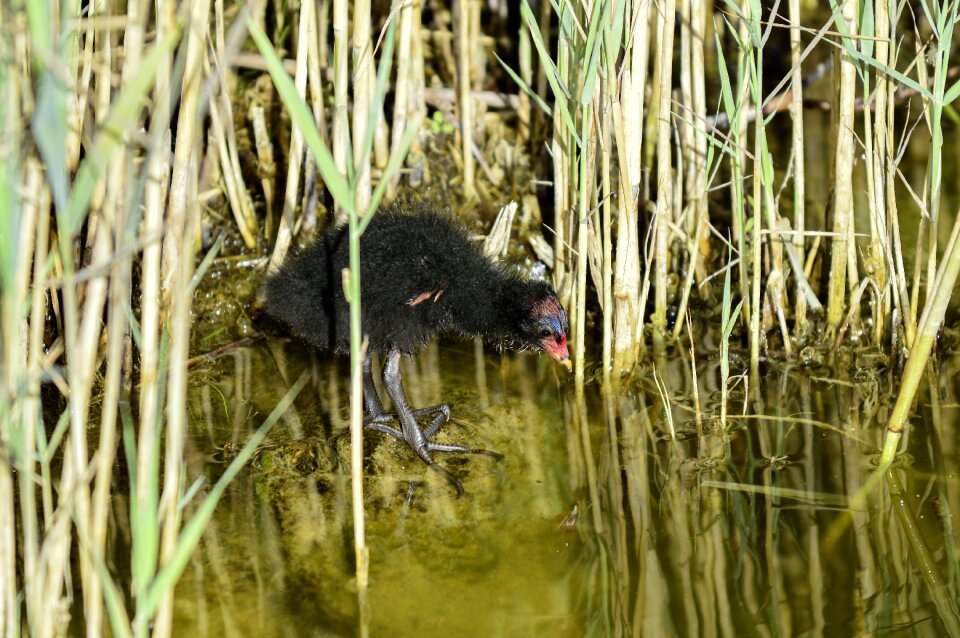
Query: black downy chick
x=419, y=274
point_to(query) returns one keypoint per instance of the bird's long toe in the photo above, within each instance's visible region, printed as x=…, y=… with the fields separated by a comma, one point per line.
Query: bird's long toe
x=462, y=449
x=380, y=426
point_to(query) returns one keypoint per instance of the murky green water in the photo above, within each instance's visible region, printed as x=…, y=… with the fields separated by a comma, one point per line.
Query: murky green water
x=598, y=521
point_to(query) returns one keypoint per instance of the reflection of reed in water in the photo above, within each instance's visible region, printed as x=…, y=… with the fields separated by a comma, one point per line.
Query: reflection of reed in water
x=495, y=559
x=765, y=528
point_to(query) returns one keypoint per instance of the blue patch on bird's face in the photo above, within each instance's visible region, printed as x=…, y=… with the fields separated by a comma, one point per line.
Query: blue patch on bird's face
x=554, y=324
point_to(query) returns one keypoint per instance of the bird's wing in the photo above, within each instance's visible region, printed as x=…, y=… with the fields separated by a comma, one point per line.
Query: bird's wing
x=428, y=285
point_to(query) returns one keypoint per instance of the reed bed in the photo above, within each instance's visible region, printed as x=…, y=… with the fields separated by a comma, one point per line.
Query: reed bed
x=656, y=125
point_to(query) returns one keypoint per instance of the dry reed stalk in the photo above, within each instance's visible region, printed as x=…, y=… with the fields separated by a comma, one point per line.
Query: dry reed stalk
x=83, y=311
x=155, y=196
x=524, y=111
x=115, y=218
x=605, y=98
x=559, y=144
x=15, y=409
x=627, y=266
x=295, y=155
x=183, y=221
x=874, y=142
x=402, y=85
x=693, y=152
x=843, y=182
x=341, y=96
x=478, y=76
x=687, y=160
x=465, y=95
x=312, y=179
x=224, y=138
x=363, y=78
x=629, y=129
x=799, y=160
x=417, y=98
x=225, y=135
x=266, y=166
x=79, y=98
x=698, y=67
x=323, y=41
x=118, y=337
x=176, y=423
x=185, y=160
x=664, y=210
x=923, y=242
x=898, y=276
x=738, y=138
x=754, y=82
x=580, y=220
x=33, y=590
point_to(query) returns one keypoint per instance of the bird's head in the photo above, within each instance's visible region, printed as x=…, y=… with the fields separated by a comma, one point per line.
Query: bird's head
x=546, y=327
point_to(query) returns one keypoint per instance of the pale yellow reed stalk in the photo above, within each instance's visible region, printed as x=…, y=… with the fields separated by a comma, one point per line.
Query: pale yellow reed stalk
x=363, y=81
x=845, y=151
x=465, y=95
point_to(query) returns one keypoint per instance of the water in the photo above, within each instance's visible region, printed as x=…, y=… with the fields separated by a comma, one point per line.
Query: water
x=609, y=515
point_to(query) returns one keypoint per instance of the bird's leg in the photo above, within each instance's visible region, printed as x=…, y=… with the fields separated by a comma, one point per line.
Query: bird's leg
x=371, y=400
x=377, y=418
x=417, y=439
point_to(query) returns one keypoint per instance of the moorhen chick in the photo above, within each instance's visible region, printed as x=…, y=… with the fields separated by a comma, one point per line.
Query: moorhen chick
x=419, y=274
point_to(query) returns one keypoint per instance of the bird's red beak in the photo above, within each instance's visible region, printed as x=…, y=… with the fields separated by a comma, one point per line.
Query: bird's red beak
x=558, y=350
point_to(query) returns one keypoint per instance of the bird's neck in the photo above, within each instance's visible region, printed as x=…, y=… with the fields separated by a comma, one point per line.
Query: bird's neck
x=494, y=311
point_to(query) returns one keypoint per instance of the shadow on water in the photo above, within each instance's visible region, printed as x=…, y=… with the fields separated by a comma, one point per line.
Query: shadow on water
x=597, y=522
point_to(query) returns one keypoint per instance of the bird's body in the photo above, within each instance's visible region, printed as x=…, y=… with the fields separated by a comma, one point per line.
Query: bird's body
x=420, y=274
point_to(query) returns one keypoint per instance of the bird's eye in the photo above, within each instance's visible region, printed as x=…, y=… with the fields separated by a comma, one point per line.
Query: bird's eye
x=544, y=333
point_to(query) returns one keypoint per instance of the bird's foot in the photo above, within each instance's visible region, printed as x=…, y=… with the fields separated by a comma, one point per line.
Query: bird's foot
x=419, y=440
x=379, y=422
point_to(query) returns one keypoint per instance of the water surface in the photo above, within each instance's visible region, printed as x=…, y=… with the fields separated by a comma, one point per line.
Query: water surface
x=609, y=515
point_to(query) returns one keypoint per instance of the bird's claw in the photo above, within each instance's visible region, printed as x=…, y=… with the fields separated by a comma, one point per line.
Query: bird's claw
x=440, y=419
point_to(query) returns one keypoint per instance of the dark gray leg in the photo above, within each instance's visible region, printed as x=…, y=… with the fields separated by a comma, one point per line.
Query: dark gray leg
x=417, y=439
x=371, y=400
x=376, y=418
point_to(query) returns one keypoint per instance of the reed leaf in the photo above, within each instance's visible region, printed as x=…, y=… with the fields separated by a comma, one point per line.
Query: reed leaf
x=560, y=93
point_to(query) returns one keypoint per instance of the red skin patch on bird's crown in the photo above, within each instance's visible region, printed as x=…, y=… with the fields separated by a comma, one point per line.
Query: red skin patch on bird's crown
x=546, y=307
